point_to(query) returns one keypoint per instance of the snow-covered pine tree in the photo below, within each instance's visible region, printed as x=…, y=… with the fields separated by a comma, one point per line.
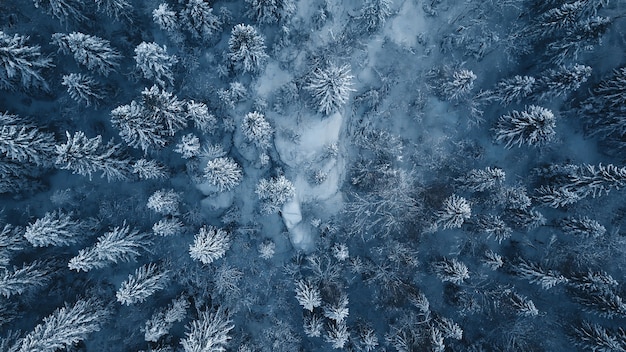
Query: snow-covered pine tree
x=583, y=37
x=163, y=319
x=93, y=52
x=54, y=229
x=154, y=63
x=458, y=85
x=149, y=170
x=209, y=244
x=606, y=303
x=583, y=227
x=21, y=64
x=270, y=11
x=210, y=332
x=189, y=146
x=337, y=334
x=493, y=260
x=560, y=82
x=22, y=142
x=257, y=130
x=224, y=173
x=168, y=227
x=198, y=113
x=274, y=192
x=146, y=280
x=594, y=337
x=121, y=244
x=119, y=9
x=246, y=49
x=164, y=201
x=83, y=89
x=556, y=197
x=330, y=87
x=535, y=273
x=198, y=18
x=533, y=127
x=451, y=270
x=11, y=241
x=63, y=10
x=522, y=306
x=455, y=210
x=65, y=327
x=85, y=156
x=511, y=90
x=374, y=13
x=166, y=18
x=480, y=180
x=493, y=226
x=308, y=295
x=596, y=180
x=338, y=309
x=19, y=280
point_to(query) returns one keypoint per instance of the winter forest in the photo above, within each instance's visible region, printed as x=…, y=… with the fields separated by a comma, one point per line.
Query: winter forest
x=312, y=175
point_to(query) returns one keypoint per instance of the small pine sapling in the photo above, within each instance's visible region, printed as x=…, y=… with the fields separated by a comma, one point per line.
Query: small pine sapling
x=330, y=87
x=533, y=127
x=146, y=280
x=209, y=244
x=54, y=229
x=274, y=192
x=308, y=295
x=189, y=146
x=122, y=244
x=257, y=130
x=93, y=52
x=21, y=63
x=210, y=332
x=163, y=319
x=246, y=49
x=454, y=212
x=267, y=249
x=223, y=173
x=83, y=89
x=451, y=270
x=337, y=334
x=168, y=227
x=164, y=202
x=154, y=63
x=149, y=170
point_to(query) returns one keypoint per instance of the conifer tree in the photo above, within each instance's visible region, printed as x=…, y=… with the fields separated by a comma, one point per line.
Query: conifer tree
x=83, y=89
x=63, y=10
x=22, y=142
x=146, y=280
x=54, y=229
x=257, y=130
x=21, y=64
x=246, y=48
x=19, y=280
x=210, y=332
x=210, y=244
x=274, y=192
x=374, y=13
x=154, y=63
x=224, y=173
x=93, y=52
x=533, y=127
x=198, y=18
x=270, y=11
x=330, y=87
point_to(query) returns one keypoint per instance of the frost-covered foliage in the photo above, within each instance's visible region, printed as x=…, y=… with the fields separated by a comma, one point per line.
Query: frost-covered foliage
x=270, y=11
x=374, y=13
x=556, y=83
x=121, y=244
x=494, y=226
x=198, y=18
x=83, y=89
x=533, y=127
x=146, y=280
x=337, y=335
x=93, y=52
x=210, y=332
x=594, y=337
x=163, y=319
x=19, y=280
x=165, y=18
x=148, y=169
x=63, y=10
x=274, y=192
x=150, y=123
x=452, y=84
x=65, y=327
x=189, y=146
x=257, y=130
x=168, y=227
x=455, y=210
x=534, y=273
x=86, y=156
x=120, y=9
x=512, y=90
x=308, y=295
x=164, y=201
x=199, y=114
x=11, y=242
x=582, y=226
x=246, y=49
x=330, y=87
x=223, y=173
x=154, y=63
x=480, y=180
x=209, y=244
x=54, y=229
x=22, y=142
x=451, y=270
x=21, y=64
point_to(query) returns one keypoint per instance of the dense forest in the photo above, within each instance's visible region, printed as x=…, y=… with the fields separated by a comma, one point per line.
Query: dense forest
x=312, y=175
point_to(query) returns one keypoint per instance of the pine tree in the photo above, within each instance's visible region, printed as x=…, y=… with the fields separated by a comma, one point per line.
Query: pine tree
x=274, y=192
x=85, y=156
x=480, y=180
x=11, y=241
x=168, y=227
x=270, y=11
x=582, y=226
x=257, y=130
x=512, y=90
x=374, y=13
x=189, y=146
x=493, y=225
x=556, y=197
x=166, y=18
x=560, y=82
x=246, y=48
x=65, y=327
x=54, y=229
x=596, y=338
x=458, y=85
x=224, y=173
x=534, y=273
x=83, y=89
x=198, y=18
x=20, y=280
x=308, y=295
x=209, y=244
x=120, y=9
x=63, y=10
x=210, y=332
x=21, y=63
x=164, y=202
x=154, y=63
x=521, y=305
x=583, y=37
x=149, y=169
x=451, y=270
x=337, y=310
x=330, y=87
x=93, y=52
x=163, y=319
x=533, y=127
x=146, y=280
x=454, y=212
x=199, y=114
x=121, y=244
x=22, y=142
x=337, y=334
